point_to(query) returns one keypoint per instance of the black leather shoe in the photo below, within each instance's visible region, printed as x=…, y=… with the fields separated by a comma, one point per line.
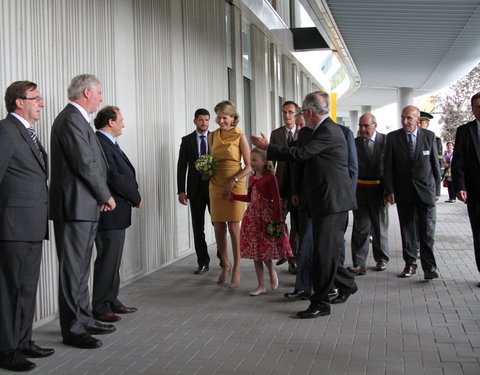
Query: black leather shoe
x=35, y=351
x=292, y=268
x=313, y=312
x=201, y=269
x=341, y=298
x=83, y=341
x=297, y=294
x=430, y=274
x=14, y=360
x=333, y=293
x=101, y=329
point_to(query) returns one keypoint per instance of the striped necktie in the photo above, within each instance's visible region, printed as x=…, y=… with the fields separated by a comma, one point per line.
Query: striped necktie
x=33, y=135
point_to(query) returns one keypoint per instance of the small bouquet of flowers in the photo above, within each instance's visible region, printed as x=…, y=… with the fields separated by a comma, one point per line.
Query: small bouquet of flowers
x=274, y=229
x=206, y=164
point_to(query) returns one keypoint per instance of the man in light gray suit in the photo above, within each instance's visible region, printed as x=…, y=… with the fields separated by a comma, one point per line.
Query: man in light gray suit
x=23, y=224
x=371, y=216
x=411, y=174
x=78, y=192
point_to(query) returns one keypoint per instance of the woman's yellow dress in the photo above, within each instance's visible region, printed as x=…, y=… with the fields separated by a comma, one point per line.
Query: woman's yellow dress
x=226, y=148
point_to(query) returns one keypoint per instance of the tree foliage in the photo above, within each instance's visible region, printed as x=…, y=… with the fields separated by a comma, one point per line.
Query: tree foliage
x=454, y=103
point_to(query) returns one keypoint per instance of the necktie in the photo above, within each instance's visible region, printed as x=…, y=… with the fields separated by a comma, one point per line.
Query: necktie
x=203, y=145
x=411, y=148
x=289, y=138
x=368, y=149
x=33, y=135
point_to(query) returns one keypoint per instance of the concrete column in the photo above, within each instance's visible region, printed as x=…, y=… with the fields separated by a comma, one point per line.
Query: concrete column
x=354, y=122
x=404, y=98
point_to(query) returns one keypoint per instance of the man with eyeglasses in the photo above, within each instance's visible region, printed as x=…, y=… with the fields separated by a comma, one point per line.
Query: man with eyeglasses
x=329, y=197
x=23, y=224
x=371, y=216
x=285, y=136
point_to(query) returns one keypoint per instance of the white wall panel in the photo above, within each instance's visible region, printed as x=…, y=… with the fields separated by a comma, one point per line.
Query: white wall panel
x=158, y=60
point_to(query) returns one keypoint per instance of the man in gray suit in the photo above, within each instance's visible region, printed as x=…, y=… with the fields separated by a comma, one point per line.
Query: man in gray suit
x=78, y=192
x=411, y=174
x=371, y=216
x=23, y=224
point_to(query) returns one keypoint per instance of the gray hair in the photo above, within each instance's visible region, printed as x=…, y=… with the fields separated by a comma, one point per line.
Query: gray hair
x=80, y=83
x=319, y=107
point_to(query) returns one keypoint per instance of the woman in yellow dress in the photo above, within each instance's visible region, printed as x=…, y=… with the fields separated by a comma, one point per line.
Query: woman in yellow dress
x=229, y=145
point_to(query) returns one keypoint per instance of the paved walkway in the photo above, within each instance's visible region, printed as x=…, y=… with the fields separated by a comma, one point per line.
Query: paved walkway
x=187, y=324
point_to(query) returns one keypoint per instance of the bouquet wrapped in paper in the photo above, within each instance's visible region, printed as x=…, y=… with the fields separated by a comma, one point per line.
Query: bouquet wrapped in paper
x=274, y=229
x=206, y=164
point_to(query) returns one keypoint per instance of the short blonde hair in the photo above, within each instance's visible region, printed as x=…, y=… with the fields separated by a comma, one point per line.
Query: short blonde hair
x=229, y=109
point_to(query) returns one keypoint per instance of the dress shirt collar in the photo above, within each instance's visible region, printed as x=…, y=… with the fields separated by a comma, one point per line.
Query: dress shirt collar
x=292, y=130
x=374, y=136
x=21, y=119
x=320, y=122
x=109, y=136
x=82, y=111
x=414, y=133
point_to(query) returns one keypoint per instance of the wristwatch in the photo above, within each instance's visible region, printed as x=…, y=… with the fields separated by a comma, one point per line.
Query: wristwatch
x=236, y=179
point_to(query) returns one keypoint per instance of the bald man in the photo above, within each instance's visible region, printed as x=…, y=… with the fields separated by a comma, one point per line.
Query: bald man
x=411, y=175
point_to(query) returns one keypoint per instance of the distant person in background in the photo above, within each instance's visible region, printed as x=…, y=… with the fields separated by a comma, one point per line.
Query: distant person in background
x=192, y=147
x=229, y=145
x=466, y=171
x=447, y=174
x=285, y=136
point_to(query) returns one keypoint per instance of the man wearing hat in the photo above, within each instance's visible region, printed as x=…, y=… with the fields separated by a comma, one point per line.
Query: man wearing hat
x=425, y=118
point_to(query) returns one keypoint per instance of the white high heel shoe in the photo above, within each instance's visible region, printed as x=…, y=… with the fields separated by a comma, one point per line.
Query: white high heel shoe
x=258, y=292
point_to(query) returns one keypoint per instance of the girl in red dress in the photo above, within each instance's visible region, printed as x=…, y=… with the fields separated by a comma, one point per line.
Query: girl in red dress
x=264, y=207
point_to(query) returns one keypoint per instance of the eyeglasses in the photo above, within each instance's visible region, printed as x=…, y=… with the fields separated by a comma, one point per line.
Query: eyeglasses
x=36, y=99
x=364, y=125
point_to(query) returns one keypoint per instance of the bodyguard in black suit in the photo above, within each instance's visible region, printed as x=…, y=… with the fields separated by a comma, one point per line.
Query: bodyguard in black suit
x=411, y=174
x=23, y=224
x=112, y=225
x=78, y=193
x=192, y=146
x=466, y=171
x=329, y=196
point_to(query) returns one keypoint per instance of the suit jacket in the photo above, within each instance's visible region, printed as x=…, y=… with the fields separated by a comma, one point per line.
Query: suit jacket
x=23, y=184
x=403, y=176
x=279, y=137
x=371, y=168
x=79, y=169
x=186, y=161
x=466, y=160
x=326, y=178
x=123, y=185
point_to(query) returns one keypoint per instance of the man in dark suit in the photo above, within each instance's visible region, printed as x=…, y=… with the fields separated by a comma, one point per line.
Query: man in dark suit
x=285, y=136
x=411, y=174
x=78, y=192
x=466, y=171
x=371, y=216
x=23, y=224
x=113, y=224
x=329, y=195
x=192, y=147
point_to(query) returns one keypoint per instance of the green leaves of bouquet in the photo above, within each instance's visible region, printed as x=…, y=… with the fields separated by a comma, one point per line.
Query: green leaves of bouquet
x=206, y=164
x=274, y=229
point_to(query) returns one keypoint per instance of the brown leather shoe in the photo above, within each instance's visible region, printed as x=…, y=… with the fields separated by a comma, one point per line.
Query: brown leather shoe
x=381, y=266
x=125, y=310
x=109, y=317
x=357, y=270
x=408, y=271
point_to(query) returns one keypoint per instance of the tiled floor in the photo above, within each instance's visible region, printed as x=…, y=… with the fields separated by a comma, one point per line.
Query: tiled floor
x=187, y=324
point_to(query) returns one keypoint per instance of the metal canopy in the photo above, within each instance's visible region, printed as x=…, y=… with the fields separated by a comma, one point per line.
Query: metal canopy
x=425, y=45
